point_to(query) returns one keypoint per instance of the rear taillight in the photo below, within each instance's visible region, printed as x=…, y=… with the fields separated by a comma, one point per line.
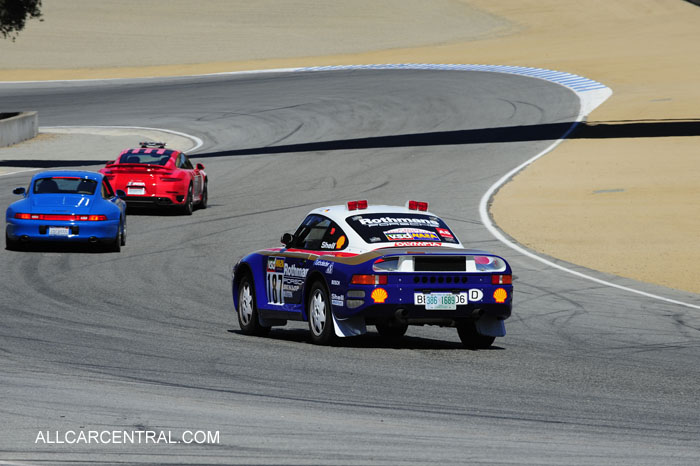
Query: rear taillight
x=501, y=279
x=61, y=217
x=369, y=280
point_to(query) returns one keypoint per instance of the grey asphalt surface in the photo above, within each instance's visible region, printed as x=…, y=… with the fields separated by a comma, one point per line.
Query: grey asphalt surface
x=147, y=339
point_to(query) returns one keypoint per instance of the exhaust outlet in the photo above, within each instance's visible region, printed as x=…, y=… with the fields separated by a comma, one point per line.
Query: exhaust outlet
x=401, y=314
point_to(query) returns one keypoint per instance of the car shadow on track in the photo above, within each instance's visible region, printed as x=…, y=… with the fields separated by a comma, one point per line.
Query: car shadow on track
x=80, y=248
x=370, y=340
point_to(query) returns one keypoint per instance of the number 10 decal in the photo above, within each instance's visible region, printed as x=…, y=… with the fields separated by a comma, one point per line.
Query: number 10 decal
x=274, y=288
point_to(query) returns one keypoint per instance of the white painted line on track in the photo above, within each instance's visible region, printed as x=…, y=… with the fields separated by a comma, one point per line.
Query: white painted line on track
x=198, y=143
x=591, y=94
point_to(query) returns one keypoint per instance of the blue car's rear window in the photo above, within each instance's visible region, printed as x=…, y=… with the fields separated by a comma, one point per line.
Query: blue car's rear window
x=64, y=185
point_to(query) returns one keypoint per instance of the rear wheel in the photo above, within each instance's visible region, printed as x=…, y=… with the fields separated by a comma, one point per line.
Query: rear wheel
x=205, y=198
x=471, y=338
x=320, y=315
x=248, y=310
x=123, y=242
x=188, y=206
x=392, y=329
x=11, y=244
x=116, y=244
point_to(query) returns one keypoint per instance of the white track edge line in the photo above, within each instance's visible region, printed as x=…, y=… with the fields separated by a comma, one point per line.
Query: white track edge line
x=486, y=220
x=198, y=143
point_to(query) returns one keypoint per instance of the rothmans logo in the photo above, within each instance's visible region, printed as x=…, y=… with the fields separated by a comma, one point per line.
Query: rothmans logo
x=294, y=271
x=398, y=221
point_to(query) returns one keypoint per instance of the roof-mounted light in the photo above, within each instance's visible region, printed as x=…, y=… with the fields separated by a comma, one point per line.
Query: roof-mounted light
x=417, y=205
x=357, y=205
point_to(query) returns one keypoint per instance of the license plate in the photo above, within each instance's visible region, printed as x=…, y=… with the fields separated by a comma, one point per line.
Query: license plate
x=136, y=191
x=58, y=231
x=440, y=301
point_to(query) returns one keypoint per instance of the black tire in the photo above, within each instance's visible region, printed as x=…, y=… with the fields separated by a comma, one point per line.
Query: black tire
x=205, y=198
x=188, y=206
x=318, y=310
x=247, y=311
x=392, y=329
x=116, y=244
x=123, y=241
x=12, y=244
x=472, y=339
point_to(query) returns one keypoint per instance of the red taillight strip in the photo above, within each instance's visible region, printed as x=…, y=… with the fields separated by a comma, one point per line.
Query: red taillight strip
x=369, y=280
x=61, y=217
x=501, y=279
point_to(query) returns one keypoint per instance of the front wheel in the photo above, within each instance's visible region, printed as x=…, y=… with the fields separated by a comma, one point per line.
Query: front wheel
x=471, y=338
x=320, y=315
x=247, y=309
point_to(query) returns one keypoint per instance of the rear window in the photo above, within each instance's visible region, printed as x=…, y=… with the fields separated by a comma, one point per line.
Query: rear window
x=402, y=229
x=64, y=185
x=152, y=159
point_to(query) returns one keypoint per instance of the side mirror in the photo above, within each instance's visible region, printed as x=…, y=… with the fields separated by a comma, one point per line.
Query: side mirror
x=18, y=191
x=121, y=194
x=200, y=166
x=287, y=239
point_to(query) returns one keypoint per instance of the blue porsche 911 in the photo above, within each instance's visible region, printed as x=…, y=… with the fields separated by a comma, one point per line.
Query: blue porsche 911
x=67, y=206
x=355, y=265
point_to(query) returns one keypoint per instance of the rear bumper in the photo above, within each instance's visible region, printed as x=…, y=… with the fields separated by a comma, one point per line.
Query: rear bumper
x=416, y=315
x=39, y=230
x=151, y=201
x=399, y=304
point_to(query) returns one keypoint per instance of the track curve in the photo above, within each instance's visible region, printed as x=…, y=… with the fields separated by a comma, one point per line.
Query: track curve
x=147, y=339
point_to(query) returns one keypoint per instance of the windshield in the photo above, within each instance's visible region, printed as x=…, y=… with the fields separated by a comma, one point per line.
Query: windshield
x=151, y=159
x=64, y=185
x=402, y=229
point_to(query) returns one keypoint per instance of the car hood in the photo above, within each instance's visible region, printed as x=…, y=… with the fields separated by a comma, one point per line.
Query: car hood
x=62, y=203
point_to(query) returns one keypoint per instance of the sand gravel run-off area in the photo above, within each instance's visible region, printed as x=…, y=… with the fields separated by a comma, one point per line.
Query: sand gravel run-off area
x=621, y=196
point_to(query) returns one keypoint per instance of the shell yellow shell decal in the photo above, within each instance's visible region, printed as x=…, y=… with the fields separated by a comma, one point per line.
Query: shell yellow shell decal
x=379, y=295
x=500, y=295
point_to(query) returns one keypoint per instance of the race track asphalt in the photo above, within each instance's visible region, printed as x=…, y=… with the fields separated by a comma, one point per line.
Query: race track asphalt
x=147, y=339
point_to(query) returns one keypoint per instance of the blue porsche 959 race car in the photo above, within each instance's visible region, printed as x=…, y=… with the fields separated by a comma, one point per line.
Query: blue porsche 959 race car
x=355, y=265
x=67, y=206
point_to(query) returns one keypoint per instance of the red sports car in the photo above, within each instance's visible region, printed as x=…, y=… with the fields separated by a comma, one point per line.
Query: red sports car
x=156, y=176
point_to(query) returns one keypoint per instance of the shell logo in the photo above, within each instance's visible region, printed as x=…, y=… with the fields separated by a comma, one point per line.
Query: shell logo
x=341, y=242
x=500, y=295
x=379, y=295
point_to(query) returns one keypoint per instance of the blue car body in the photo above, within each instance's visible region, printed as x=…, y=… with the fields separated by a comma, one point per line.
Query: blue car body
x=66, y=206
x=379, y=265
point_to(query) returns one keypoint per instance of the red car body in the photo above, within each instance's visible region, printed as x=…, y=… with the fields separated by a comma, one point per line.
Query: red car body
x=155, y=176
